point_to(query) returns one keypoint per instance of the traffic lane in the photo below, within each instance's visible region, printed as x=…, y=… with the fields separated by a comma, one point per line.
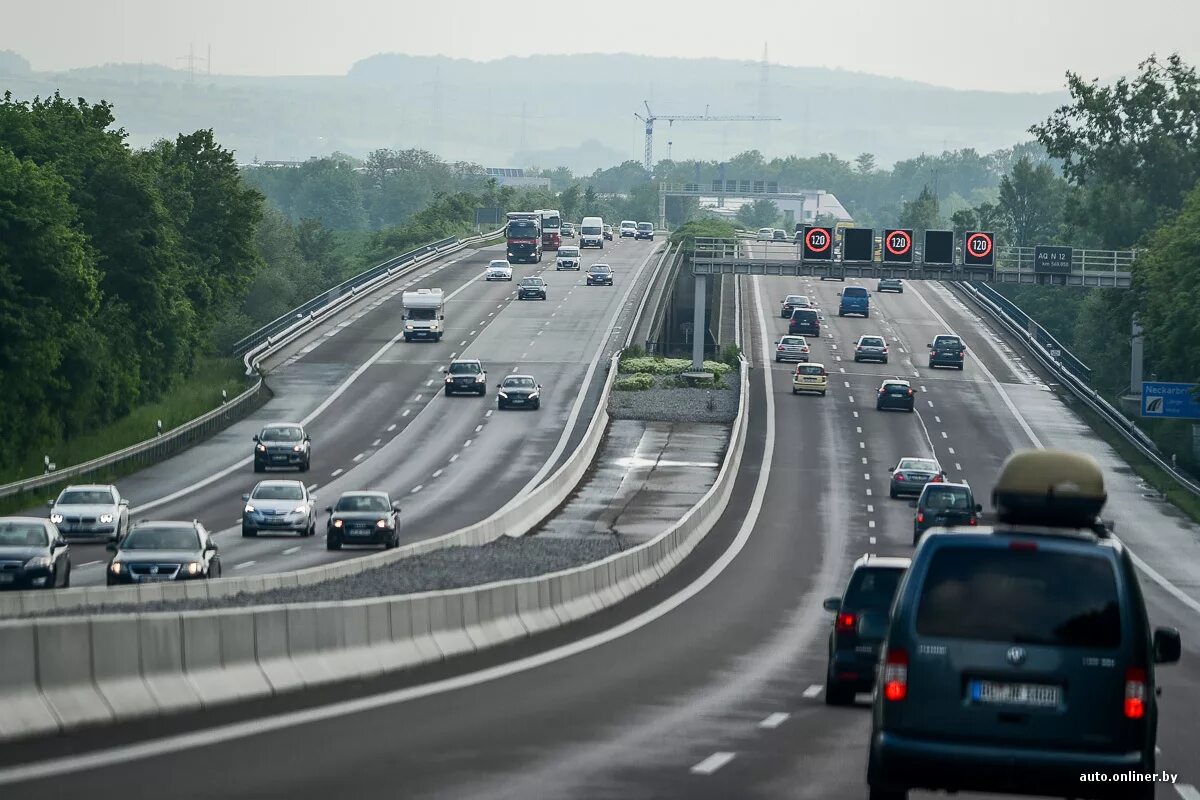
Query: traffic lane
x=650, y=697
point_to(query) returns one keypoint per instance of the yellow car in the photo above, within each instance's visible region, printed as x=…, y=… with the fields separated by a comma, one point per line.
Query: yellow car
x=810, y=377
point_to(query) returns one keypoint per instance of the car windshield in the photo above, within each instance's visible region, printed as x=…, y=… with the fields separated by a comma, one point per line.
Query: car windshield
x=918, y=464
x=278, y=491
x=600, y=268
x=947, y=498
x=150, y=538
x=872, y=341
x=1020, y=597
x=422, y=313
x=568, y=252
x=591, y=230
x=362, y=502
x=645, y=226
x=282, y=433
x=532, y=281
x=498, y=265
x=86, y=497
x=552, y=222
x=519, y=383
x=570, y=226
x=465, y=368
x=23, y=534
x=872, y=587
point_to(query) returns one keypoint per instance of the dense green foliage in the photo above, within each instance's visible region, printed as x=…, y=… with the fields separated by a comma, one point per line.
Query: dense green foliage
x=685, y=235
x=113, y=263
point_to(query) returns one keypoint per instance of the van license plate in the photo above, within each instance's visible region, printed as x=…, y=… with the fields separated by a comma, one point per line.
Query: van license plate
x=1015, y=694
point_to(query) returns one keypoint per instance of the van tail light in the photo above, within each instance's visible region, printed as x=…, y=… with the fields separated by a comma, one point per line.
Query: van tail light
x=895, y=674
x=962, y=353
x=804, y=349
x=847, y=622
x=920, y=516
x=899, y=476
x=1135, y=693
x=885, y=349
x=972, y=521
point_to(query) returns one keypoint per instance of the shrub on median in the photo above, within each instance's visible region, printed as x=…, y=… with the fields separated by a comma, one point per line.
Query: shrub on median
x=634, y=383
x=667, y=366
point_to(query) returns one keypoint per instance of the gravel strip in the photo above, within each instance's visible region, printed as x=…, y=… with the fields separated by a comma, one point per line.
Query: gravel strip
x=677, y=405
x=452, y=568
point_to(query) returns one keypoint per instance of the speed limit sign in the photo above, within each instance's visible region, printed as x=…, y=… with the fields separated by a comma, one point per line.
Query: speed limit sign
x=897, y=246
x=818, y=244
x=980, y=249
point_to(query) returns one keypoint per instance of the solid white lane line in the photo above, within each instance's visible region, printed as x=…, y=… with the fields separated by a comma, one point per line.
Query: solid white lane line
x=813, y=691
x=774, y=720
x=711, y=764
x=391, y=427
x=417, y=488
x=359, y=457
x=1187, y=791
x=406, y=412
x=291, y=550
x=478, y=428
x=245, y=564
x=336, y=472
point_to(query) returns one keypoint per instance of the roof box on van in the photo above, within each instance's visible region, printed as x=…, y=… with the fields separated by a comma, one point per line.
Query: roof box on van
x=1049, y=488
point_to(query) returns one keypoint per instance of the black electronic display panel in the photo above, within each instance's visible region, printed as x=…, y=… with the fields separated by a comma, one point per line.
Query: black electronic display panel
x=858, y=244
x=939, y=248
x=818, y=243
x=897, y=246
x=979, y=249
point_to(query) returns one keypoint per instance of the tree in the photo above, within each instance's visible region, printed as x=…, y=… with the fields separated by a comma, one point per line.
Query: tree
x=1031, y=200
x=921, y=214
x=963, y=221
x=864, y=164
x=590, y=200
x=1132, y=148
x=759, y=214
x=568, y=202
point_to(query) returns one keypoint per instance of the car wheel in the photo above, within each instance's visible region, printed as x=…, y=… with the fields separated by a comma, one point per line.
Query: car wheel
x=931, y=364
x=258, y=467
x=537, y=405
x=822, y=393
x=448, y=392
x=332, y=543
x=778, y=359
x=879, y=406
x=305, y=466
x=960, y=367
x=500, y=405
x=885, y=361
x=407, y=338
x=874, y=793
x=67, y=577
x=248, y=533
x=911, y=409
x=916, y=538
x=836, y=694
x=392, y=543
x=795, y=390
x=312, y=529
x=892, y=494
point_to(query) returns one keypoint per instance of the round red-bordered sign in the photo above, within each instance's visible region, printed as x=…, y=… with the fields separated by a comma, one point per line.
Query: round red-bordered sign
x=977, y=253
x=808, y=240
x=901, y=251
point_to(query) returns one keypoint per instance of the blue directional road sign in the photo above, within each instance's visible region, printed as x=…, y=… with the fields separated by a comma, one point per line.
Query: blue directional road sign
x=1170, y=400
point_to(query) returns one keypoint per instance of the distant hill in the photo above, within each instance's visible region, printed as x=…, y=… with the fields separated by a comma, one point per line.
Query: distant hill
x=574, y=111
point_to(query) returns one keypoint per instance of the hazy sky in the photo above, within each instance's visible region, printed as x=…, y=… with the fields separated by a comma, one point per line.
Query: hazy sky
x=1008, y=45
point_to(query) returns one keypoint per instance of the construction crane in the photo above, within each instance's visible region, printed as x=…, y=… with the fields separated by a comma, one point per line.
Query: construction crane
x=650, y=118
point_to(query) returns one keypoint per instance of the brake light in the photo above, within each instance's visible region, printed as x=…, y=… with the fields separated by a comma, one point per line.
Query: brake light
x=885, y=349
x=1022, y=546
x=847, y=622
x=883, y=391
x=910, y=392
x=899, y=476
x=920, y=516
x=962, y=353
x=780, y=347
x=1135, y=693
x=895, y=675
x=972, y=521
x=936, y=479
x=804, y=349
x=824, y=373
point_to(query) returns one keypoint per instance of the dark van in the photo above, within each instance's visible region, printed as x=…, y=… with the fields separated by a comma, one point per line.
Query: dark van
x=805, y=322
x=1019, y=657
x=855, y=300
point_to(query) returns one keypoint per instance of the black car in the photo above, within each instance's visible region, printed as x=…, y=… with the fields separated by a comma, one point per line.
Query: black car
x=600, y=275
x=518, y=391
x=153, y=552
x=944, y=505
x=531, y=288
x=860, y=618
x=947, y=350
x=282, y=444
x=805, y=322
x=363, y=518
x=1020, y=656
x=895, y=393
x=465, y=375
x=33, y=554
x=645, y=230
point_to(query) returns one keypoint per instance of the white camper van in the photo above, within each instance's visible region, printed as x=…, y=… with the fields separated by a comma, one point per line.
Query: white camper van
x=424, y=315
x=591, y=233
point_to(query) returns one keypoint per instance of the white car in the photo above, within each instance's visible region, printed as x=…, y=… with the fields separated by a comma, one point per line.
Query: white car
x=498, y=271
x=628, y=228
x=568, y=258
x=91, y=511
x=765, y=234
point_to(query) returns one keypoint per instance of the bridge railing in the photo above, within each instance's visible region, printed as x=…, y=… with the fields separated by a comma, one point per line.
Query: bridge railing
x=1055, y=348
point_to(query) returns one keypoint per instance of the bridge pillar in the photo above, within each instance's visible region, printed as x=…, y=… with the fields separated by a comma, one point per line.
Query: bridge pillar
x=1136, y=359
x=698, y=327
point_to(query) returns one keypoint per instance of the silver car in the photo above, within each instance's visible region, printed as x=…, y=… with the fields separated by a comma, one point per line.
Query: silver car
x=871, y=348
x=498, y=270
x=910, y=475
x=791, y=348
x=283, y=506
x=91, y=511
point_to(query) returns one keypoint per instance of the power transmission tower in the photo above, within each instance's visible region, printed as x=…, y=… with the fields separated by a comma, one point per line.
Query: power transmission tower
x=191, y=58
x=764, y=96
x=651, y=117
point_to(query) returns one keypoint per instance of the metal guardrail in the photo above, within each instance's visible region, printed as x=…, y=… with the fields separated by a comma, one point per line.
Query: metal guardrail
x=1056, y=349
x=657, y=295
x=1123, y=425
x=269, y=338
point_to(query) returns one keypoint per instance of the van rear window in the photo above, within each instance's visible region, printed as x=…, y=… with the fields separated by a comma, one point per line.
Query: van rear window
x=854, y=291
x=1020, y=596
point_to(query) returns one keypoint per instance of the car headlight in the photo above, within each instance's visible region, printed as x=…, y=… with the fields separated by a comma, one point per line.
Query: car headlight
x=115, y=567
x=533, y=394
x=106, y=518
x=381, y=523
x=299, y=509
x=38, y=562
x=249, y=508
x=337, y=523
x=56, y=518
x=298, y=447
x=449, y=379
x=480, y=378
x=192, y=568
x=262, y=448
x=408, y=327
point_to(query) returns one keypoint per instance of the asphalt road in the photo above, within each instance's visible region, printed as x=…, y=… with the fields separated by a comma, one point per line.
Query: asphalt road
x=379, y=419
x=707, y=685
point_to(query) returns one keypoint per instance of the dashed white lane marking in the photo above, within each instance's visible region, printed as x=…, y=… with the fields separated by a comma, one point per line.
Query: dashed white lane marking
x=958, y=466
x=870, y=508
x=524, y=356
x=842, y=370
x=923, y=389
x=950, y=450
x=539, y=333
x=312, y=487
x=454, y=458
x=862, y=445
x=482, y=322
x=855, y=413
x=775, y=720
x=418, y=398
x=359, y=457
x=478, y=428
x=490, y=412
x=245, y=564
x=391, y=427
x=870, y=523
x=376, y=443
x=417, y=488
x=857, y=429
x=500, y=305
x=871, y=540
x=847, y=384
x=93, y=563
x=813, y=691
x=291, y=550
x=1187, y=791
x=945, y=435
x=336, y=472
x=429, y=382
x=711, y=764
x=463, y=342
x=868, y=492
x=864, y=461
x=490, y=313
x=405, y=412
x=472, y=333
x=452, y=355
x=930, y=403
x=937, y=419
x=866, y=476
x=437, y=473
x=467, y=443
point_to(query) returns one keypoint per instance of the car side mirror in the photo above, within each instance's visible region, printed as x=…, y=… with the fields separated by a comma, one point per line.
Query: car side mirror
x=441, y=369
x=245, y=498
x=60, y=542
x=396, y=507
x=499, y=386
x=211, y=546
x=255, y=438
x=1166, y=646
x=1110, y=525
x=832, y=604
x=49, y=504
x=123, y=503
x=329, y=509
x=979, y=508
x=111, y=547
x=307, y=438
